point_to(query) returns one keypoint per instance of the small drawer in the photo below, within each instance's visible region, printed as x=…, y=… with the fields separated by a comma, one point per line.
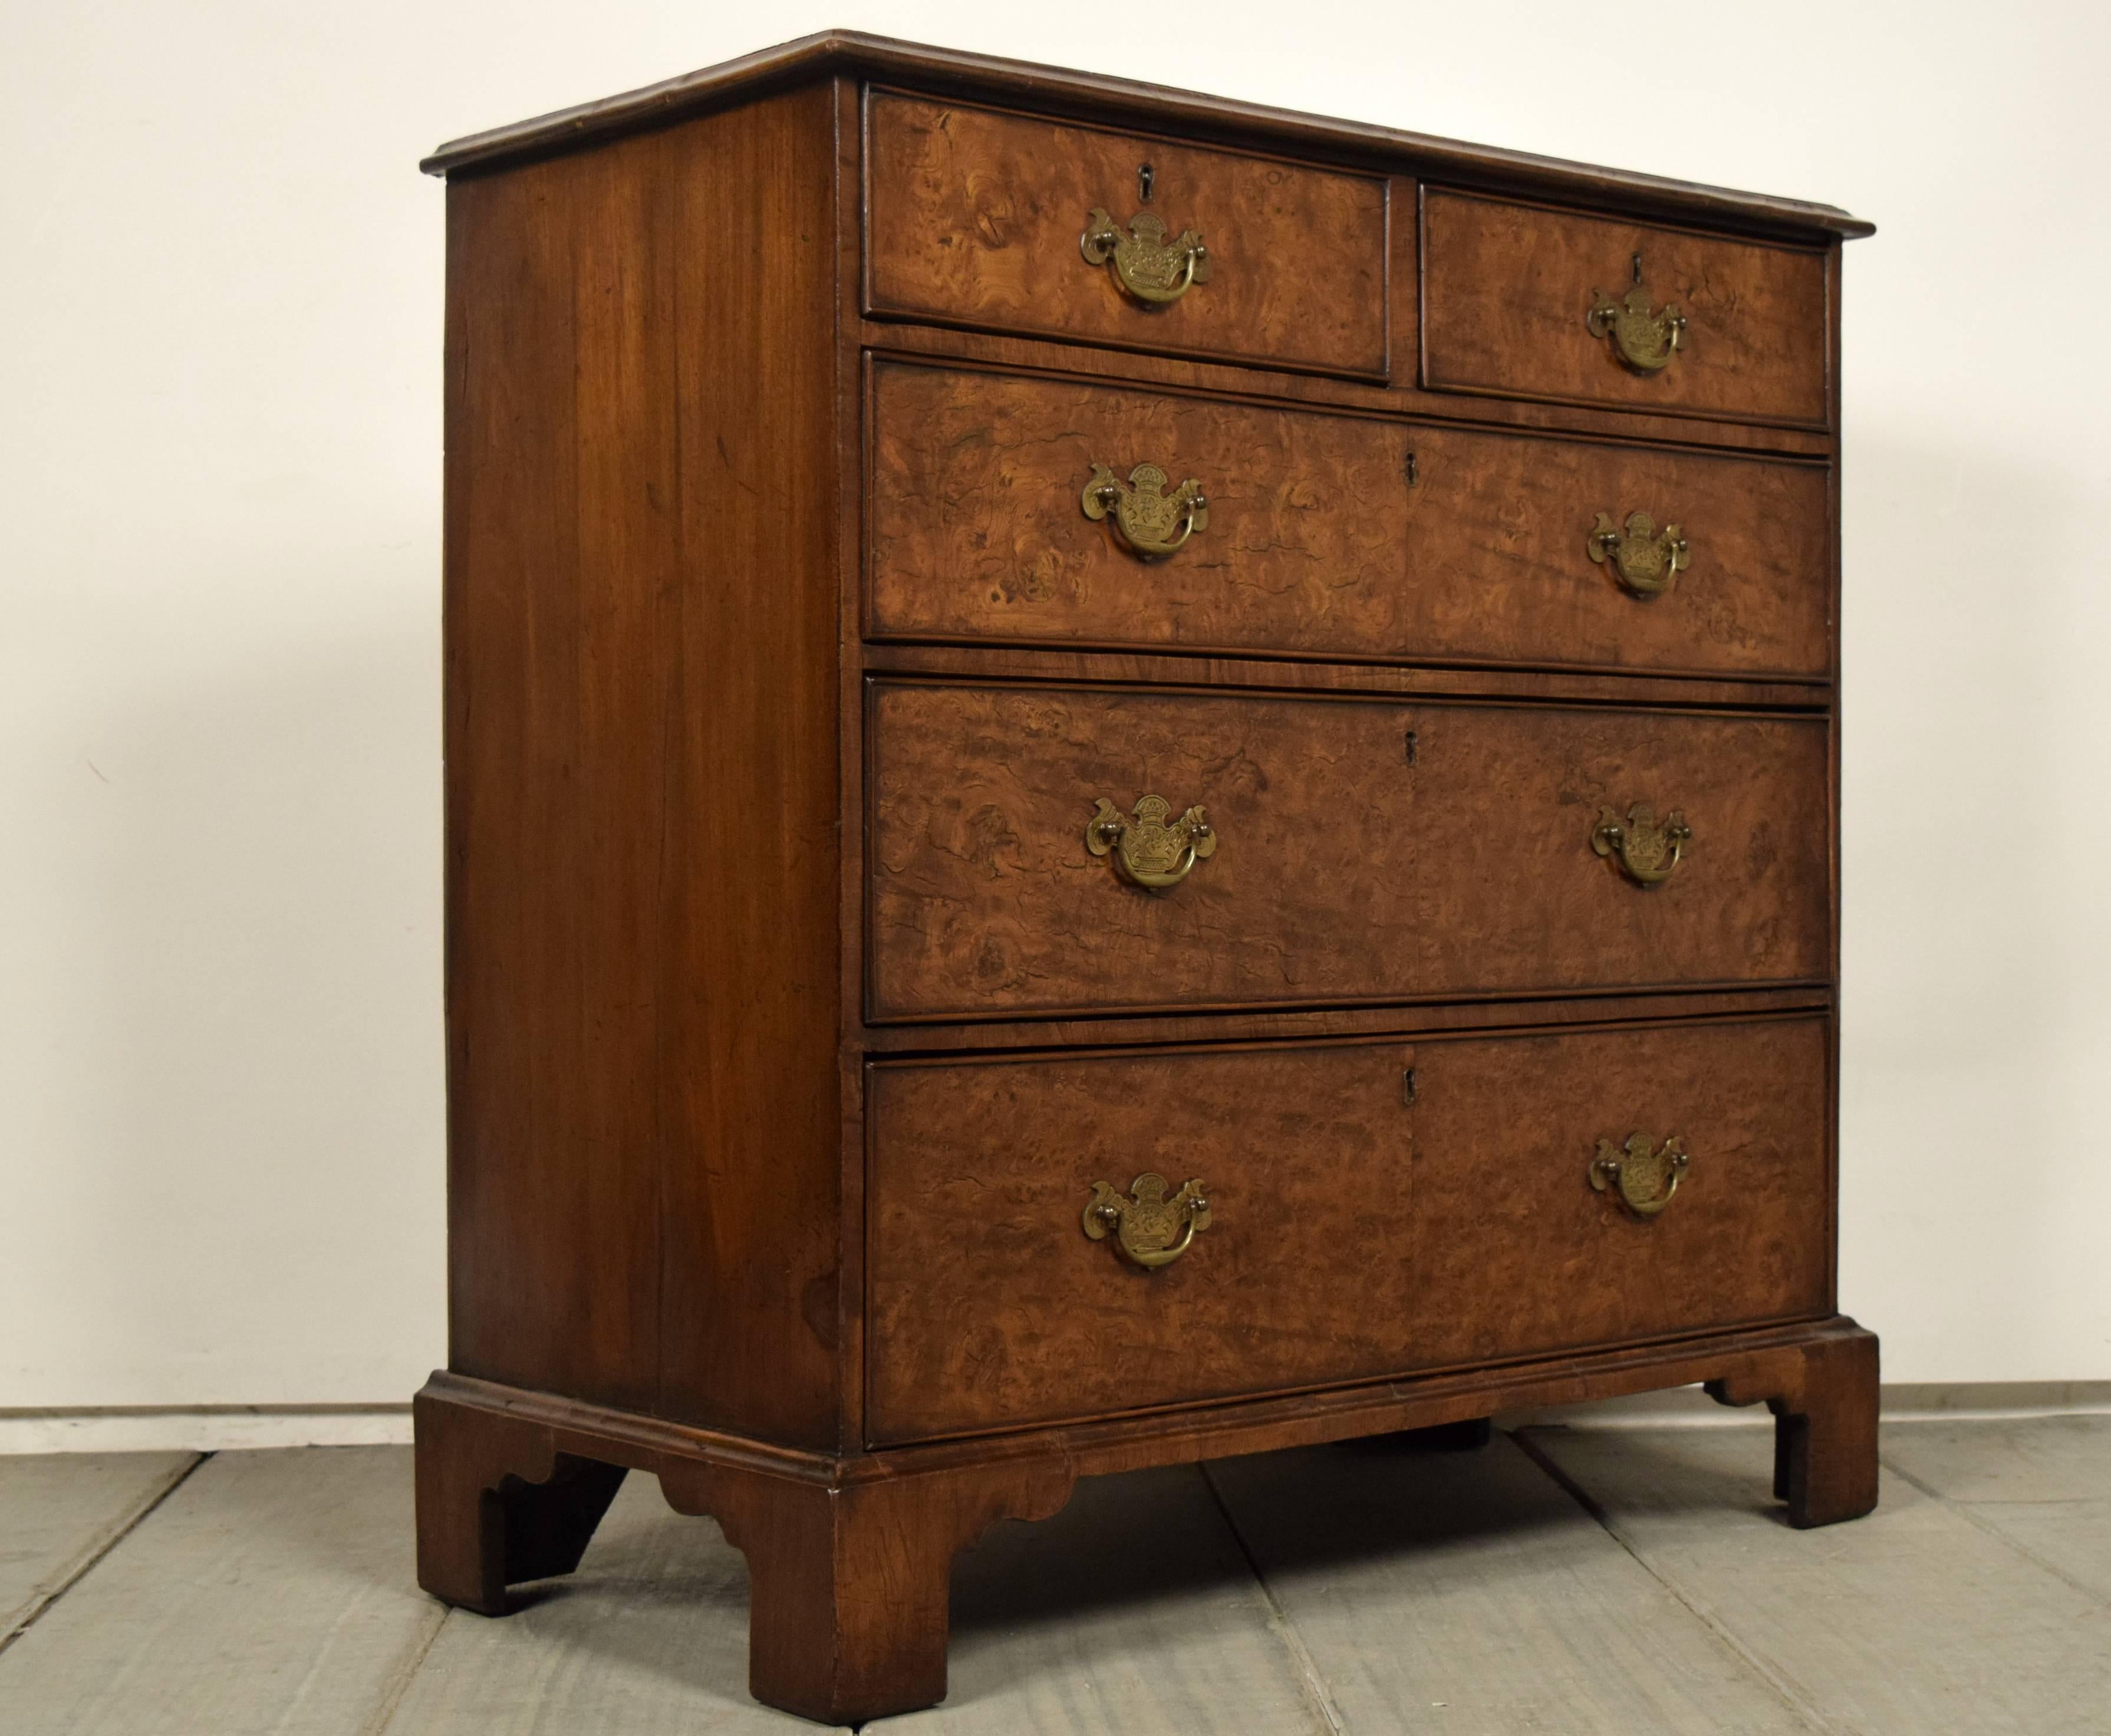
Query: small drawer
x=1327, y=535
x=1006, y=223
x=1522, y=302
x=1508, y=1133
x=1355, y=1191
x=1032, y=850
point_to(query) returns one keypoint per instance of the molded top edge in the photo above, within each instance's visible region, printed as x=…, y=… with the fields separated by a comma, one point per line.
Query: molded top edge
x=1151, y=106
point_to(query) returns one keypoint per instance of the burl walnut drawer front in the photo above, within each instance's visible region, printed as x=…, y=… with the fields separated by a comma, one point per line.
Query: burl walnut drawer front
x=990, y=1304
x=1524, y=302
x=1067, y=850
x=1721, y=1135
x=1356, y=1211
x=1012, y=224
x=1327, y=534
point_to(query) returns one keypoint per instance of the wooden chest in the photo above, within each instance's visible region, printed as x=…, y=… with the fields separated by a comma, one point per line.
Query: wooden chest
x=1127, y=779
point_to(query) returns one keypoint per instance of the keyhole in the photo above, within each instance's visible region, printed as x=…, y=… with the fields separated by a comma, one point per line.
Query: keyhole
x=1638, y=268
x=1145, y=175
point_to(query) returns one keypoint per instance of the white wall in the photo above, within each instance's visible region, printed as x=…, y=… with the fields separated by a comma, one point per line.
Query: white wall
x=219, y=288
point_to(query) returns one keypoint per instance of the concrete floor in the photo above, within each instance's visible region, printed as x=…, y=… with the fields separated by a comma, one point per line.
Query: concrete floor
x=1623, y=1581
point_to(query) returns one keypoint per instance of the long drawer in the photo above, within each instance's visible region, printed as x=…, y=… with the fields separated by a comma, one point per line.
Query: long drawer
x=1014, y=224
x=1369, y=1208
x=1330, y=535
x=1020, y=841
x=1520, y=301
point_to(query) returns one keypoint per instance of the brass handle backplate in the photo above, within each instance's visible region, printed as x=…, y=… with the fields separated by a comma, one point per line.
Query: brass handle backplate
x=1644, y=337
x=1150, y=523
x=1648, y=848
x=1151, y=268
x=1150, y=848
x=1646, y=559
x=1150, y=1230
x=1644, y=1174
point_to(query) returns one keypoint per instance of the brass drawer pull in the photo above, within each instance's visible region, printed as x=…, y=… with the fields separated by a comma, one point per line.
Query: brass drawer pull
x=1152, y=269
x=1147, y=851
x=1150, y=1230
x=1150, y=523
x=1644, y=1174
x=1644, y=338
x=1648, y=849
x=1646, y=559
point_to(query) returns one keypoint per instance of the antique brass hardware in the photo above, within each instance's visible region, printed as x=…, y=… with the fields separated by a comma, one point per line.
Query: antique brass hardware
x=1648, y=849
x=1147, y=851
x=1644, y=1174
x=1646, y=559
x=1150, y=1230
x=1150, y=523
x=1645, y=338
x=1152, y=269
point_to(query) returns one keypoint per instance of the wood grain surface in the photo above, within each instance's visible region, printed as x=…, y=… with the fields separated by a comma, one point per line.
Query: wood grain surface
x=641, y=942
x=1343, y=872
x=1506, y=288
x=1348, y=1226
x=988, y=1306
x=1505, y=1129
x=973, y=218
x=1318, y=542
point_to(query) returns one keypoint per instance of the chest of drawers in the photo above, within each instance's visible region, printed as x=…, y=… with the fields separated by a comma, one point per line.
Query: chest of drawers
x=1127, y=779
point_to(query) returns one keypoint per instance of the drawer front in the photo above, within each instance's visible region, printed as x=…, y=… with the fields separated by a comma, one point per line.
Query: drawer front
x=978, y=219
x=1331, y=535
x=989, y=1305
x=1536, y=1260
x=1338, y=872
x=1352, y=1235
x=1510, y=291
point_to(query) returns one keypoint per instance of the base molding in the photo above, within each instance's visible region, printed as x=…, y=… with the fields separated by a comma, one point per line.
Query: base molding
x=849, y=1554
x=229, y=1428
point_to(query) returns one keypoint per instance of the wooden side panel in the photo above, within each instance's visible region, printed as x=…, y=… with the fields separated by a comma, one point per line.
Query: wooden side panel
x=974, y=219
x=1506, y=289
x=560, y=582
x=989, y=1306
x=1344, y=869
x=753, y=1179
x=641, y=762
x=1518, y=1255
x=1318, y=542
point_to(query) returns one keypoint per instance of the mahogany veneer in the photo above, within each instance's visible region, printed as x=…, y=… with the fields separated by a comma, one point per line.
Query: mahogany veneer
x=812, y=960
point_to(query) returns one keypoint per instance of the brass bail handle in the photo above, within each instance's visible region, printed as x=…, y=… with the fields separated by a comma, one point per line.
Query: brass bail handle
x=1648, y=849
x=1157, y=272
x=1644, y=1174
x=1150, y=849
x=1644, y=338
x=1149, y=523
x=1647, y=560
x=1150, y=1230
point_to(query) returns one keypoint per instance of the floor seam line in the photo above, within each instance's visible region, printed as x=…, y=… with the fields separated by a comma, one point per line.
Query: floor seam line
x=1962, y=1510
x=400, y=1680
x=1790, y=1695
x=96, y=1559
x=1314, y=1684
